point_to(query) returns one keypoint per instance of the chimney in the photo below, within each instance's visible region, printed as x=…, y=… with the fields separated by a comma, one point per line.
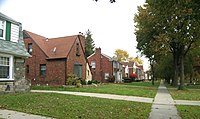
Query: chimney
x=80, y=33
x=82, y=40
x=98, y=51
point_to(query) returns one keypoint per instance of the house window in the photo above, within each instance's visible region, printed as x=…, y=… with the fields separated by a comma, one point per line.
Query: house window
x=78, y=70
x=30, y=49
x=27, y=69
x=93, y=64
x=43, y=70
x=77, y=49
x=106, y=76
x=6, y=63
x=2, y=29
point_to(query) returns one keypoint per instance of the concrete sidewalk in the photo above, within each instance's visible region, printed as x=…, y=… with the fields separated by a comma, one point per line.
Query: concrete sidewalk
x=98, y=95
x=122, y=97
x=163, y=106
x=8, y=114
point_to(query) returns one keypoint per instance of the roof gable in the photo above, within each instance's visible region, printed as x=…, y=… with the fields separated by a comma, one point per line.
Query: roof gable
x=54, y=47
x=60, y=47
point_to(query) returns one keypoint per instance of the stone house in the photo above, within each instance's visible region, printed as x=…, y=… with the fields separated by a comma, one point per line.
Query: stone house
x=105, y=68
x=12, y=56
x=53, y=59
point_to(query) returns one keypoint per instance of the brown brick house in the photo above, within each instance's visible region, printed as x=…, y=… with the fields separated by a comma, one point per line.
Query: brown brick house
x=131, y=67
x=104, y=67
x=53, y=59
x=128, y=68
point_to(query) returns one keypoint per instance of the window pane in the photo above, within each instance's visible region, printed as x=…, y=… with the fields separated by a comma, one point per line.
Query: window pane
x=78, y=70
x=1, y=24
x=93, y=64
x=43, y=70
x=4, y=72
x=1, y=28
x=4, y=61
x=1, y=32
x=30, y=48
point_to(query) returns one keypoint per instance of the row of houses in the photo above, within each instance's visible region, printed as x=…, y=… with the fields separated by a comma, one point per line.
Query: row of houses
x=28, y=58
x=53, y=59
x=108, y=69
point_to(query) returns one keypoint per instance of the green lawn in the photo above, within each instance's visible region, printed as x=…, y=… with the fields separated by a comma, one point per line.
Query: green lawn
x=145, y=89
x=74, y=107
x=185, y=94
x=189, y=112
x=193, y=87
x=186, y=111
x=146, y=84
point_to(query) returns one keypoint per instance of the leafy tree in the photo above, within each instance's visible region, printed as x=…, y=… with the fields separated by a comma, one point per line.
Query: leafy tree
x=163, y=67
x=122, y=55
x=136, y=60
x=168, y=26
x=89, y=43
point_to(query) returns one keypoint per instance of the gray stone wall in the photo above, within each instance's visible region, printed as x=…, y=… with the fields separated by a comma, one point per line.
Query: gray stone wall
x=21, y=84
x=6, y=87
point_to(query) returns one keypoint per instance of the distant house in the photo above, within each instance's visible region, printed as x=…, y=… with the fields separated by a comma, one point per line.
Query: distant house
x=132, y=68
x=12, y=55
x=105, y=68
x=52, y=60
x=128, y=68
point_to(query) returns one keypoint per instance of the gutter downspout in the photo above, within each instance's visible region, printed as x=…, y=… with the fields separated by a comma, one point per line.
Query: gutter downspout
x=65, y=71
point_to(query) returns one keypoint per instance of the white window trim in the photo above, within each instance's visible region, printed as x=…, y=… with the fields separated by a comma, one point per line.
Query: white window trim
x=4, y=30
x=93, y=64
x=107, y=76
x=10, y=68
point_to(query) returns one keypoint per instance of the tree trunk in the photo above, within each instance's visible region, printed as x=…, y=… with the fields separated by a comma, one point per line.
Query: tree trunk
x=191, y=78
x=182, y=76
x=152, y=69
x=175, y=78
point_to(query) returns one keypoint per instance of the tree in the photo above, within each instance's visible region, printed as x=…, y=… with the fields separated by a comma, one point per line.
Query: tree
x=174, y=25
x=122, y=55
x=164, y=69
x=136, y=60
x=89, y=43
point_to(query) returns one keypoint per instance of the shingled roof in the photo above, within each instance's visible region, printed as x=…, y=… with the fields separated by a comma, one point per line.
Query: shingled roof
x=53, y=47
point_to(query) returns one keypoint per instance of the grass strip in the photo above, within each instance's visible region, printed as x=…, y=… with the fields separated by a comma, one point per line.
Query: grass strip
x=118, y=89
x=185, y=94
x=189, y=112
x=74, y=107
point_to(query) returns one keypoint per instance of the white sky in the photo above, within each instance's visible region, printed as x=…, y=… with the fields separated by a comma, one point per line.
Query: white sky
x=112, y=25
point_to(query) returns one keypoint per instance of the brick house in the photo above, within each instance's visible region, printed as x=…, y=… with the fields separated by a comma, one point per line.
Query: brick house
x=131, y=67
x=53, y=59
x=12, y=56
x=104, y=67
x=128, y=68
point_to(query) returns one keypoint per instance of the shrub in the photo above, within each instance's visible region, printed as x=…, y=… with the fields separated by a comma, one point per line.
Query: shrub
x=78, y=83
x=83, y=82
x=93, y=81
x=133, y=77
x=111, y=79
x=127, y=80
x=71, y=80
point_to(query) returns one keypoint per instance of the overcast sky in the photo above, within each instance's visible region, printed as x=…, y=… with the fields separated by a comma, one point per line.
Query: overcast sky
x=112, y=25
